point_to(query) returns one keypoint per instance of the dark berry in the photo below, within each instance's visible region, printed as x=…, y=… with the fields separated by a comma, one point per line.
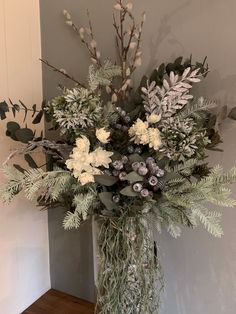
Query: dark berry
x=127, y=119
x=138, y=150
x=130, y=149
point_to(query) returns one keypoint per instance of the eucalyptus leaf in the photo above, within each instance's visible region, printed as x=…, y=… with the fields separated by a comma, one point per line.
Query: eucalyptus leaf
x=105, y=180
x=24, y=135
x=12, y=127
x=106, y=199
x=133, y=177
x=34, y=107
x=25, y=109
x=135, y=157
x=19, y=168
x=38, y=117
x=128, y=191
x=3, y=109
x=30, y=161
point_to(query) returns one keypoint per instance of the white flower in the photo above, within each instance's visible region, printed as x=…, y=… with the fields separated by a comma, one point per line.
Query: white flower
x=86, y=177
x=101, y=157
x=153, y=118
x=102, y=135
x=83, y=144
x=154, y=138
x=84, y=164
x=140, y=133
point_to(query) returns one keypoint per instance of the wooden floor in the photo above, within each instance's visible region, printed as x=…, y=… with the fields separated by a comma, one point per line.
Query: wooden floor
x=55, y=302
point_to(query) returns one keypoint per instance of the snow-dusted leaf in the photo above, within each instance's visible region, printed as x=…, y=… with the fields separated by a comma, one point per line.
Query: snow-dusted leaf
x=166, y=84
x=186, y=72
x=194, y=79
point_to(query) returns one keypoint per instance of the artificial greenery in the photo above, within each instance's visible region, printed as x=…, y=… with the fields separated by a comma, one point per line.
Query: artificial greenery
x=135, y=159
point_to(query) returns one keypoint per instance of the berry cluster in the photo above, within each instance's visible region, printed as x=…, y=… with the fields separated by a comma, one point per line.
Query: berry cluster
x=124, y=120
x=150, y=170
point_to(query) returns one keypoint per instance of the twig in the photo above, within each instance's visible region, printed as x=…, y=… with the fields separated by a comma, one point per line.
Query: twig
x=70, y=77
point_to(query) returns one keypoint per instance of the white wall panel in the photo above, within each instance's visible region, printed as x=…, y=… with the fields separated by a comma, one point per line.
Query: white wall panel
x=24, y=257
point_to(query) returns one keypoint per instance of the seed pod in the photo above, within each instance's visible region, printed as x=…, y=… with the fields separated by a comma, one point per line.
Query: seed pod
x=124, y=159
x=116, y=198
x=144, y=193
x=117, y=164
x=160, y=173
x=150, y=160
x=118, y=126
x=138, y=150
x=135, y=165
x=123, y=113
x=127, y=119
x=130, y=149
x=122, y=176
x=142, y=164
x=153, y=181
x=115, y=173
x=142, y=171
x=137, y=187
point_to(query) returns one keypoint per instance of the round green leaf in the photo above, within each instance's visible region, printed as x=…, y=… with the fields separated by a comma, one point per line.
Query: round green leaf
x=24, y=135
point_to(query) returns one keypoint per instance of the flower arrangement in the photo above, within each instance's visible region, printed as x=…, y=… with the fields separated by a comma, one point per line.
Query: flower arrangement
x=135, y=159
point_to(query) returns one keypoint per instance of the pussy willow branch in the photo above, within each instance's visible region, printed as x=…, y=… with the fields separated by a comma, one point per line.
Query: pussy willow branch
x=94, y=54
x=124, y=50
x=68, y=76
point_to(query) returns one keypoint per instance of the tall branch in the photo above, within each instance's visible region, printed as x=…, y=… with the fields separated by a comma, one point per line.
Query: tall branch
x=70, y=77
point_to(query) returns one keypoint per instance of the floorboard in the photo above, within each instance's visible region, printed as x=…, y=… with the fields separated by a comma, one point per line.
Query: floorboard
x=55, y=302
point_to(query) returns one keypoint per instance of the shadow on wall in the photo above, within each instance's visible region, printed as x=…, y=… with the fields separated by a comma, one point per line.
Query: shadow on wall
x=164, y=32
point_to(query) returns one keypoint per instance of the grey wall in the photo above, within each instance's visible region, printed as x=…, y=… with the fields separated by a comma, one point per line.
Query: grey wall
x=200, y=271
